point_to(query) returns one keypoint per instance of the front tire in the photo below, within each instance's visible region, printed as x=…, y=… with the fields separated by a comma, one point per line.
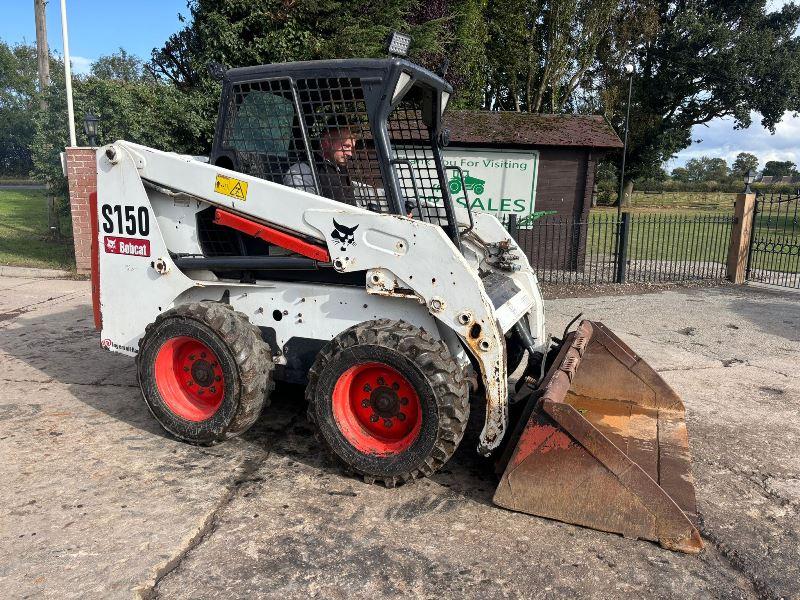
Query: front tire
x=205, y=372
x=388, y=400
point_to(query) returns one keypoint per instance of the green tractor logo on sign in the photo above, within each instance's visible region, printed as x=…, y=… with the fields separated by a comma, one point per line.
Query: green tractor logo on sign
x=473, y=183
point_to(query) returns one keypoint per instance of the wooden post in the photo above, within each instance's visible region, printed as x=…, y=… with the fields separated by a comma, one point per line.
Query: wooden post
x=740, y=236
x=42, y=50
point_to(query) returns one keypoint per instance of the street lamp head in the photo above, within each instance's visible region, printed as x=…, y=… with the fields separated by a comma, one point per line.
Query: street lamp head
x=90, y=122
x=629, y=69
x=749, y=178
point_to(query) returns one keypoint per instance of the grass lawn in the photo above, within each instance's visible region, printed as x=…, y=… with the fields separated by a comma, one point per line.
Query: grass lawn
x=25, y=238
x=684, y=201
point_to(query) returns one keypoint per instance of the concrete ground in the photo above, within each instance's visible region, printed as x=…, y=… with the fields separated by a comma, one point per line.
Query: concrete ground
x=97, y=501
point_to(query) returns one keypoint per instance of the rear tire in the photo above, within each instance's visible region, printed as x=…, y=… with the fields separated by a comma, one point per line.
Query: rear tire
x=388, y=400
x=205, y=372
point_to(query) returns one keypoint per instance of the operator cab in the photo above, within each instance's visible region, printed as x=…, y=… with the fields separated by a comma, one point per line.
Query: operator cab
x=362, y=132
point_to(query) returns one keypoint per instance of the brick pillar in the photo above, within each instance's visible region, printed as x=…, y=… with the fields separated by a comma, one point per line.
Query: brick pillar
x=82, y=178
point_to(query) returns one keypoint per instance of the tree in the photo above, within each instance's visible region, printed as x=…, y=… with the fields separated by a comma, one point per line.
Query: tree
x=744, y=162
x=131, y=105
x=540, y=52
x=681, y=174
x=780, y=168
x=121, y=66
x=272, y=31
x=19, y=103
x=705, y=168
x=696, y=61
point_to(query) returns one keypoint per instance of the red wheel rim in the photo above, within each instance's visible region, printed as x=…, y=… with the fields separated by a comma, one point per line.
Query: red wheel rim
x=376, y=408
x=189, y=378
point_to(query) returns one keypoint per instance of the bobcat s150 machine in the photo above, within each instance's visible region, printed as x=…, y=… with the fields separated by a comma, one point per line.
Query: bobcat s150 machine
x=320, y=244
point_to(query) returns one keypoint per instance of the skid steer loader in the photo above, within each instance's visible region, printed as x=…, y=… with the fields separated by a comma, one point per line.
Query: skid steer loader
x=319, y=244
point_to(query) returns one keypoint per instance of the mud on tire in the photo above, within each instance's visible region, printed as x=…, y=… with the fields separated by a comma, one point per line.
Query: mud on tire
x=204, y=371
x=392, y=373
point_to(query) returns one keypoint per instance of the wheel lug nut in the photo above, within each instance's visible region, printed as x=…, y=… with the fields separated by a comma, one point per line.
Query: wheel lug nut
x=367, y=388
x=217, y=378
x=365, y=403
x=381, y=381
x=190, y=383
x=395, y=386
x=387, y=422
x=202, y=355
x=201, y=391
x=401, y=416
x=186, y=369
x=404, y=401
x=213, y=390
x=191, y=357
x=373, y=419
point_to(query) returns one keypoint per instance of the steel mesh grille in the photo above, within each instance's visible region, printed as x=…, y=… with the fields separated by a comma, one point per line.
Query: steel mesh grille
x=412, y=140
x=266, y=130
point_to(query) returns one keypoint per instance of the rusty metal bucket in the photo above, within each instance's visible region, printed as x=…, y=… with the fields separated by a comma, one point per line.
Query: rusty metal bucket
x=603, y=444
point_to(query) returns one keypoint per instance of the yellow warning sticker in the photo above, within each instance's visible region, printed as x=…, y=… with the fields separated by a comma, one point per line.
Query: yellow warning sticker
x=229, y=186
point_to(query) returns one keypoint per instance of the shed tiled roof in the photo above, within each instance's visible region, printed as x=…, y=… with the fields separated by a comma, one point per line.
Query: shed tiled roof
x=526, y=129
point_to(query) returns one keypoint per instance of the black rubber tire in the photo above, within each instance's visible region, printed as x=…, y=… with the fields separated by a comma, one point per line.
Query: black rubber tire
x=244, y=357
x=427, y=364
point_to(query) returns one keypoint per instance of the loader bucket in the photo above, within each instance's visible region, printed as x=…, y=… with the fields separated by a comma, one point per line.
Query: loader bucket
x=603, y=444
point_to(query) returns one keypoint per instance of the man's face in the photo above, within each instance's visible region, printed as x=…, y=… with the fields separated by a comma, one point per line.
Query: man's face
x=338, y=146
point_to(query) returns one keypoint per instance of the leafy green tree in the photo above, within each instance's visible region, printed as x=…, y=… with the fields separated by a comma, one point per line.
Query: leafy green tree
x=744, y=162
x=540, y=52
x=121, y=66
x=697, y=60
x=681, y=174
x=131, y=105
x=705, y=168
x=18, y=106
x=271, y=31
x=780, y=168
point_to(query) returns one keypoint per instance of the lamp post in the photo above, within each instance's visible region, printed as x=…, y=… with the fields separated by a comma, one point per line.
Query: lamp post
x=67, y=74
x=90, y=122
x=749, y=178
x=629, y=71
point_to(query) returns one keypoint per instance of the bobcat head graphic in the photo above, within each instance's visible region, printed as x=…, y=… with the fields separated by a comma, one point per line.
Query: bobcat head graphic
x=344, y=235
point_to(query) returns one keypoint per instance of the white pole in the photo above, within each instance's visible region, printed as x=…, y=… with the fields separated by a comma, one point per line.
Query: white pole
x=68, y=74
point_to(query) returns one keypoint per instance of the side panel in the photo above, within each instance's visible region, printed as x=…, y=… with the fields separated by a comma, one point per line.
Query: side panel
x=302, y=310
x=129, y=240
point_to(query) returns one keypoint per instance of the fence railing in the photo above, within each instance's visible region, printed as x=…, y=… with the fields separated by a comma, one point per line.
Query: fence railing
x=774, y=252
x=638, y=247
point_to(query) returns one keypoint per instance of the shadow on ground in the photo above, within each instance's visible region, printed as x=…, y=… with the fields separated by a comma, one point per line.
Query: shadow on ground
x=71, y=355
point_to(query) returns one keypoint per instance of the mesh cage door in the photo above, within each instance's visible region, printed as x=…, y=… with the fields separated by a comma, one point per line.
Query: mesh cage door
x=413, y=148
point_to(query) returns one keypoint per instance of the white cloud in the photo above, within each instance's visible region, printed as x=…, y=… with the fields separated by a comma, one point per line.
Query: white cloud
x=720, y=140
x=80, y=64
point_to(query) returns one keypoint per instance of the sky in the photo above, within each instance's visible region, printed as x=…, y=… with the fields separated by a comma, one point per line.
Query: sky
x=99, y=28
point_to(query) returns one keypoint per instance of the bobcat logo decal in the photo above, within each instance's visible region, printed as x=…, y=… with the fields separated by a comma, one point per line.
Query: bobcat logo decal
x=344, y=235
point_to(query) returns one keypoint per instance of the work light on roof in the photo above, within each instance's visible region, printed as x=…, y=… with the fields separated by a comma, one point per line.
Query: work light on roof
x=399, y=44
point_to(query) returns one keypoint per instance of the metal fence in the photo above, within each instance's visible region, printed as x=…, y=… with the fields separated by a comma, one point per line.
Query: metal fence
x=638, y=247
x=774, y=254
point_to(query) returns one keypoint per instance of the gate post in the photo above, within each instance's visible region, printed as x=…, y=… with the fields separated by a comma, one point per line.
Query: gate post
x=741, y=233
x=513, y=227
x=622, y=248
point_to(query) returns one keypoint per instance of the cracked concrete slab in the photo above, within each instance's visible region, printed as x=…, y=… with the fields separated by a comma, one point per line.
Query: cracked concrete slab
x=99, y=501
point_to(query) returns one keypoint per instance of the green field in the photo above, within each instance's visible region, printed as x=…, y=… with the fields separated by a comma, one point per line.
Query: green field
x=25, y=238
x=684, y=201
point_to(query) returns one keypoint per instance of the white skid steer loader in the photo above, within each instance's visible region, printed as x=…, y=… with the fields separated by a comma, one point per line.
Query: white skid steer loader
x=320, y=245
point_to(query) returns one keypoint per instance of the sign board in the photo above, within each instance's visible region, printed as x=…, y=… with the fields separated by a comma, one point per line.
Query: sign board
x=500, y=182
